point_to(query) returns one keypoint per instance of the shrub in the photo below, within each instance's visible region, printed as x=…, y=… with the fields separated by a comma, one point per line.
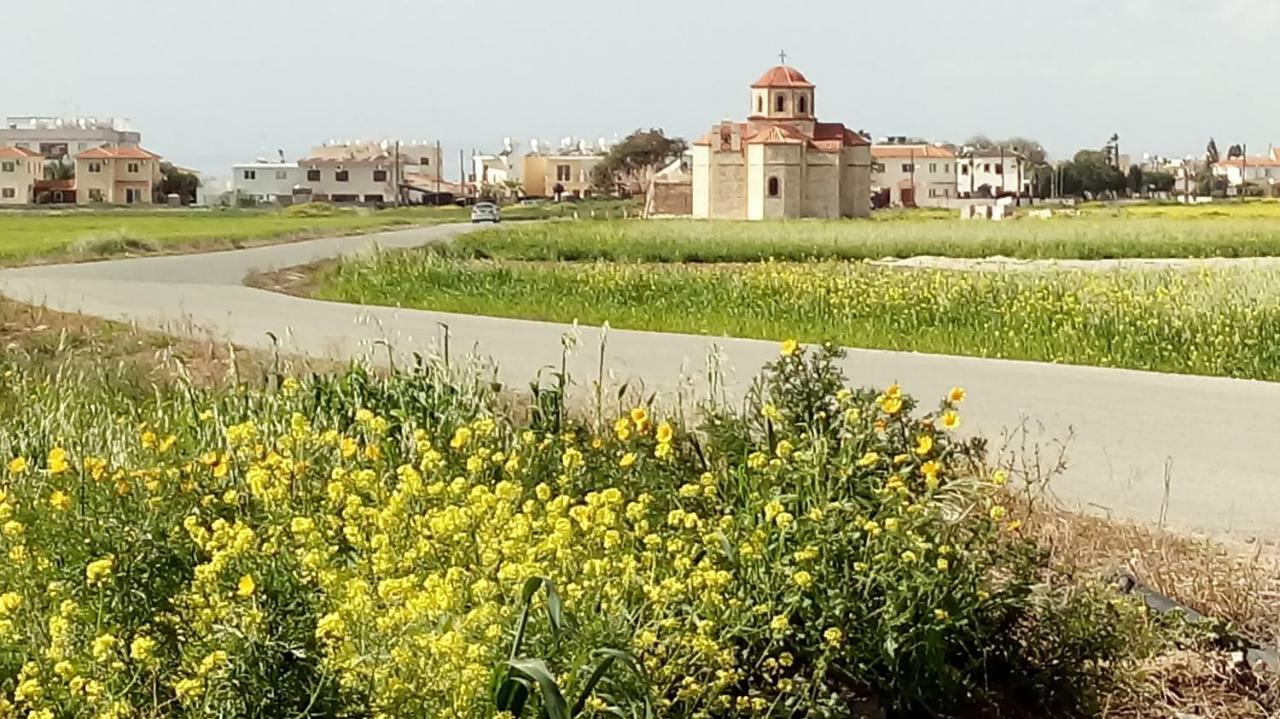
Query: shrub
x=357, y=545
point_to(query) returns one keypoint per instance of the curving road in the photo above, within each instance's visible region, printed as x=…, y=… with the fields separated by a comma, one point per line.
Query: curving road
x=1194, y=450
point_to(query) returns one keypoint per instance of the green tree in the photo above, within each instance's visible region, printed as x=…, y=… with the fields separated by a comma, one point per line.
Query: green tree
x=1160, y=181
x=1092, y=173
x=1135, y=181
x=634, y=160
x=60, y=170
x=176, y=181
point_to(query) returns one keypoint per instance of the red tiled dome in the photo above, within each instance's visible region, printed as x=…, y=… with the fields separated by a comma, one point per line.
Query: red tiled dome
x=782, y=76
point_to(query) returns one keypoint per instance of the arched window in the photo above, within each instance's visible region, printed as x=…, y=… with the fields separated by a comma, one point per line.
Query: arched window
x=804, y=105
x=760, y=103
x=775, y=187
x=780, y=103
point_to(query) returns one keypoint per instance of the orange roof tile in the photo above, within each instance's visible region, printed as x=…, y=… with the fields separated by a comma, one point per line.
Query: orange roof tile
x=19, y=153
x=922, y=151
x=778, y=135
x=782, y=76
x=826, y=133
x=106, y=152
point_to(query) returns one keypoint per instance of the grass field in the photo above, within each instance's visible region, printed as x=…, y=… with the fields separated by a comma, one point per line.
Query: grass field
x=1214, y=323
x=77, y=234
x=1243, y=230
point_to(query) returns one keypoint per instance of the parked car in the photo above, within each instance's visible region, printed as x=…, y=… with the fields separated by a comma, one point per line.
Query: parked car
x=486, y=212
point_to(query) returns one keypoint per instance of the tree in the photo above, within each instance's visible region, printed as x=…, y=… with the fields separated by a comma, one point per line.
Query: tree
x=1160, y=181
x=176, y=181
x=1211, y=153
x=1135, y=181
x=1089, y=172
x=1033, y=152
x=59, y=170
x=634, y=160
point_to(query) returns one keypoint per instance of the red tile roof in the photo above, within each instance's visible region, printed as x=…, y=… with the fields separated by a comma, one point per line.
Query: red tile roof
x=107, y=152
x=782, y=76
x=922, y=151
x=19, y=153
x=829, y=136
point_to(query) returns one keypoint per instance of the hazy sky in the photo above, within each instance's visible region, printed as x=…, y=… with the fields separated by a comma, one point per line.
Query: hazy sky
x=215, y=82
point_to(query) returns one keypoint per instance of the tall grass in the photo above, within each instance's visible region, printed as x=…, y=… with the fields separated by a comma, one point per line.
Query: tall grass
x=1240, y=231
x=1210, y=322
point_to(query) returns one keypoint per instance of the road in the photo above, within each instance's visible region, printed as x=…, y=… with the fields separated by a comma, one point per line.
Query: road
x=1194, y=450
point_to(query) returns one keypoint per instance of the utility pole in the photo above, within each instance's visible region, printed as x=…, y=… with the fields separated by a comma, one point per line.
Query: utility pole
x=1244, y=168
x=462, y=170
x=439, y=162
x=913, y=177
x=396, y=174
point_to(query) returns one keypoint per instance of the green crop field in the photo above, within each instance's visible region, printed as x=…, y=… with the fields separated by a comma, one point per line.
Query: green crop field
x=1141, y=231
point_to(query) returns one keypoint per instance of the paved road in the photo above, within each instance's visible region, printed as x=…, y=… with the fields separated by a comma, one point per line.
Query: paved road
x=1129, y=431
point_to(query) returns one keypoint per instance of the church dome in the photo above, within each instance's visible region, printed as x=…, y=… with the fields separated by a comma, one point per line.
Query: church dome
x=782, y=76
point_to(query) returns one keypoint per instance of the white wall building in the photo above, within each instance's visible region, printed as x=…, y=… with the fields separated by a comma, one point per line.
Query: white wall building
x=992, y=173
x=62, y=138
x=367, y=171
x=913, y=175
x=264, y=182
x=1262, y=171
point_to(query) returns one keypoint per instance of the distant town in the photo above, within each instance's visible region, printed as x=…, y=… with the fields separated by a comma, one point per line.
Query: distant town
x=780, y=162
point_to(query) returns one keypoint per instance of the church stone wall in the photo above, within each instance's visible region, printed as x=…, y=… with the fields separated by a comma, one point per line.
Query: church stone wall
x=728, y=172
x=855, y=182
x=822, y=185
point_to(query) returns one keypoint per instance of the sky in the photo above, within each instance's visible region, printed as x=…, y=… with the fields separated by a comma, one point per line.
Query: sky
x=213, y=83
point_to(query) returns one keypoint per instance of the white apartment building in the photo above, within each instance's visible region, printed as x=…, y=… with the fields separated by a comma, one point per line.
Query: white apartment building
x=912, y=175
x=992, y=173
x=264, y=182
x=365, y=172
x=62, y=138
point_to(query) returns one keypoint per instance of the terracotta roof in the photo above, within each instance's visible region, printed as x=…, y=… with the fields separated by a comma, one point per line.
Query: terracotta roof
x=922, y=151
x=19, y=153
x=777, y=135
x=55, y=184
x=1252, y=162
x=106, y=152
x=828, y=133
x=782, y=76
x=826, y=136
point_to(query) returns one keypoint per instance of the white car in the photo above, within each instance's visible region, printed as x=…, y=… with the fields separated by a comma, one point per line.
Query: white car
x=486, y=212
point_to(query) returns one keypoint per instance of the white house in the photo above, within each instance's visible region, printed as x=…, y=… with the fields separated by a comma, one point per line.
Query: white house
x=992, y=173
x=366, y=172
x=1262, y=171
x=912, y=175
x=264, y=182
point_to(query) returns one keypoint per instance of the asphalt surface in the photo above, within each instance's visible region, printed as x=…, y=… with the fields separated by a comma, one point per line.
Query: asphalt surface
x=1195, y=451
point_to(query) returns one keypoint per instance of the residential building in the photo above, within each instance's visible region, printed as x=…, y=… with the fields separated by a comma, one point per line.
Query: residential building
x=61, y=139
x=365, y=172
x=1263, y=171
x=264, y=182
x=566, y=172
x=781, y=162
x=20, y=168
x=912, y=175
x=497, y=174
x=992, y=173
x=123, y=175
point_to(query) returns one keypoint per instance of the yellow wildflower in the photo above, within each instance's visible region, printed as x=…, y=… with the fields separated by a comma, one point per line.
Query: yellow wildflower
x=789, y=348
x=246, y=586
x=17, y=465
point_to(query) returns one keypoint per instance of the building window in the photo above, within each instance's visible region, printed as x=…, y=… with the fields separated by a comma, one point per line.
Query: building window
x=908, y=167
x=282, y=174
x=759, y=104
x=8, y=193
x=780, y=103
x=250, y=174
x=95, y=195
x=986, y=167
x=379, y=176
x=95, y=167
x=999, y=169
x=804, y=105
x=564, y=173
x=313, y=175
x=933, y=167
x=425, y=162
x=964, y=169
x=342, y=176
x=8, y=167
x=775, y=187
x=133, y=167
x=877, y=167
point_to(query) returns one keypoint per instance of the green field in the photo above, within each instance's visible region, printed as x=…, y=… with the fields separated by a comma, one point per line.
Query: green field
x=1244, y=230
x=90, y=234
x=1213, y=323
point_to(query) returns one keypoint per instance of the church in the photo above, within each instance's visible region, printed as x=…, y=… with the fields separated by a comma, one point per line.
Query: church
x=781, y=163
